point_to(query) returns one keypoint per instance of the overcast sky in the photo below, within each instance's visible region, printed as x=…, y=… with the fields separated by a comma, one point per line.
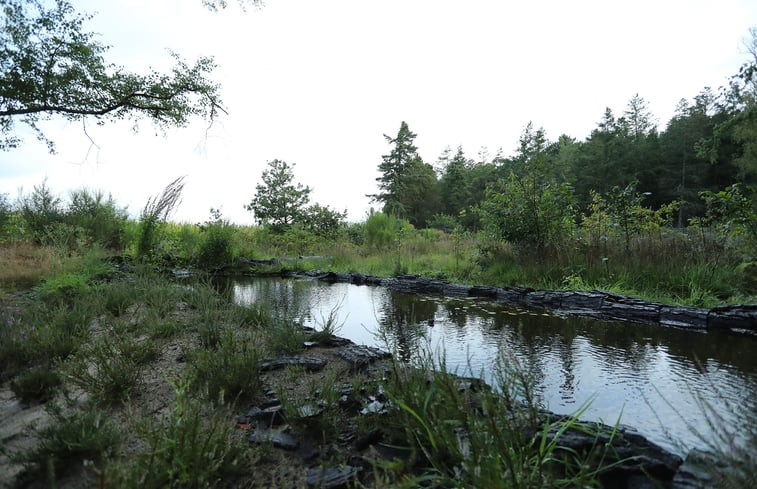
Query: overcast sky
x=318, y=83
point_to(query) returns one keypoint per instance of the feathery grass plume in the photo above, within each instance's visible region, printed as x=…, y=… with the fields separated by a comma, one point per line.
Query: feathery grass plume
x=154, y=214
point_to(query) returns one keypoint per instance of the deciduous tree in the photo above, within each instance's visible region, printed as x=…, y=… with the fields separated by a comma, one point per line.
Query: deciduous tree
x=51, y=66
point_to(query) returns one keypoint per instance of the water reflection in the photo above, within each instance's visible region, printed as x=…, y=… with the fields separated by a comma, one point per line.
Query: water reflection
x=647, y=373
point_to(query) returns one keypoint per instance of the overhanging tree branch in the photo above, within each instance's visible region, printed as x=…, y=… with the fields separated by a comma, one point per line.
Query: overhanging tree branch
x=50, y=67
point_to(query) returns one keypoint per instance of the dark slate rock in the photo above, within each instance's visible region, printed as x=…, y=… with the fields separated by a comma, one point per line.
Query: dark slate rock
x=372, y=280
x=513, y=295
x=336, y=341
x=265, y=415
x=483, y=291
x=358, y=279
x=739, y=317
x=616, y=306
x=309, y=452
x=696, y=471
x=281, y=440
x=370, y=438
x=543, y=299
x=332, y=277
x=456, y=290
x=360, y=356
x=332, y=477
x=406, y=277
x=581, y=301
x=638, y=457
x=684, y=317
x=308, y=363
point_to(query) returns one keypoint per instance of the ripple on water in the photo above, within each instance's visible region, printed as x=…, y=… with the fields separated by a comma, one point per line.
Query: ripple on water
x=663, y=381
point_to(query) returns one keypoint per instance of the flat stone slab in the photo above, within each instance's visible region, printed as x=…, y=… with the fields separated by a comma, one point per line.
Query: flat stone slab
x=312, y=364
x=281, y=440
x=332, y=477
x=360, y=356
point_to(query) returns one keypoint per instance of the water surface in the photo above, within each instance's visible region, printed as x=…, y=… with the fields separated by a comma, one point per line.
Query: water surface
x=648, y=376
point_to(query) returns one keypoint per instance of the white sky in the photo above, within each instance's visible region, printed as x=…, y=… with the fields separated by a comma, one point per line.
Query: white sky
x=318, y=82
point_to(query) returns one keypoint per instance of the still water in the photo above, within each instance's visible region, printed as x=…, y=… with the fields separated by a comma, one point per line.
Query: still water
x=648, y=376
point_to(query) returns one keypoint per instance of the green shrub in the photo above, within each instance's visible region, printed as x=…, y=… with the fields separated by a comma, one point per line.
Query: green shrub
x=6, y=213
x=99, y=217
x=216, y=245
x=39, y=210
x=384, y=230
x=63, y=287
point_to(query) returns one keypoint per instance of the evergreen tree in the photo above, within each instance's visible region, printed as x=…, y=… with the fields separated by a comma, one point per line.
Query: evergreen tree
x=454, y=189
x=407, y=187
x=278, y=201
x=393, y=167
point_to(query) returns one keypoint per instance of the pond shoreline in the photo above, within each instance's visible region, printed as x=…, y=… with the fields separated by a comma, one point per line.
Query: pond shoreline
x=596, y=304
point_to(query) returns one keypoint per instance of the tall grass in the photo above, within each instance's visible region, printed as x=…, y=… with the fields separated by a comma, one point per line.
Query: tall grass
x=189, y=448
x=72, y=436
x=463, y=434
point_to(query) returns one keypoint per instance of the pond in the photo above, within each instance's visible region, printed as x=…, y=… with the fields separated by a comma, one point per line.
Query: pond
x=649, y=376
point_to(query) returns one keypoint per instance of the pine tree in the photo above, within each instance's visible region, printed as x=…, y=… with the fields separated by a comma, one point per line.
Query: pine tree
x=393, y=168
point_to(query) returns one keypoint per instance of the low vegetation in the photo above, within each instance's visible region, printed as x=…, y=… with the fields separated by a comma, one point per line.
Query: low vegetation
x=141, y=375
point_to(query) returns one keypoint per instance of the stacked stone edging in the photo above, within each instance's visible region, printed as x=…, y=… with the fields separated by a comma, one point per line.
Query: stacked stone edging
x=596, y=304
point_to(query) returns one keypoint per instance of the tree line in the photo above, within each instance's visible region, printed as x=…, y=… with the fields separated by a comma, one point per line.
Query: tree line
x=707, y=149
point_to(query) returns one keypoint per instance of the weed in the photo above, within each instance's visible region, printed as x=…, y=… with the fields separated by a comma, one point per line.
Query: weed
x=463, y=434
x=37, y=384
x=86, y=434
x=153, y=217
x=116, y=297
x=256, y=315
x=231, y=371
x=329, y=325
x=110, y=368
x=190, y=448
x=43, y=333
x=163, y=328
x=285, y=335
x=316, y=413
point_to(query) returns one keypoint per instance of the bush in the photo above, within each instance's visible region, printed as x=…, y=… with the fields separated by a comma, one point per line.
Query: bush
x=101, y=219
x=383, y=230
x=6, y=211
x=39, y=210
x=215, y=248
x=323, y=221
